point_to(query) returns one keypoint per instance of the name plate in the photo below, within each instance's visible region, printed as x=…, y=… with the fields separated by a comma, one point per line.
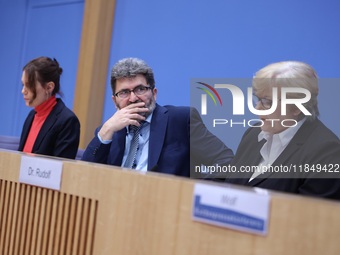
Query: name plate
x=41, y=172
x=231, y=208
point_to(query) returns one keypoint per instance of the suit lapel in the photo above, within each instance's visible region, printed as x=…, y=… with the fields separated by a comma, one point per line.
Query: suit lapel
x=117, y=152
x=158, y=126
x=280, y=161
x=297, y=141
x=26, y=129
x=48, y=124
x=251, y=148
x=253, y=160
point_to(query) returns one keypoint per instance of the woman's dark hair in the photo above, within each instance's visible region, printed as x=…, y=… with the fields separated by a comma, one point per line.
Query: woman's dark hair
x=44, y=70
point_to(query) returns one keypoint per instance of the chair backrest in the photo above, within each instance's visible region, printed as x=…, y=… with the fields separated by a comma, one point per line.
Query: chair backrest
x=9, y=142
x=12, y=143
x=80, y=153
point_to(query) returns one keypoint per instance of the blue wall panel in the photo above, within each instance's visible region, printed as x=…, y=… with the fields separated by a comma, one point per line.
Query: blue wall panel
x=12, y=28
x=183, y=40
x=47, y=28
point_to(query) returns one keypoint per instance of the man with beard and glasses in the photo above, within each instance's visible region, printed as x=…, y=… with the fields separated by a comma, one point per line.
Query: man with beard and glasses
x=145, y=136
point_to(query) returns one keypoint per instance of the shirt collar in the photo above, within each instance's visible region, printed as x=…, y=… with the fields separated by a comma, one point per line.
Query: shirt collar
x=148, y=120
x=285, y=136
x=46, y=107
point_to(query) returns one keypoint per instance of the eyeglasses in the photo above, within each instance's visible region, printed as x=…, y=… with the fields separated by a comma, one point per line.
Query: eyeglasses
x=265, y=102
x=138, y=91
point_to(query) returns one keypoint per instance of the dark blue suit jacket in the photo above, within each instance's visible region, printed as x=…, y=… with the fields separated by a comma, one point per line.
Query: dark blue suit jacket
x=169, y=143
x=58, y=136
x=312, y=146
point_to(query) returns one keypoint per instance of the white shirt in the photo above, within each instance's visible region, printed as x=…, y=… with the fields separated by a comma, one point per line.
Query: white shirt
x=274, y=146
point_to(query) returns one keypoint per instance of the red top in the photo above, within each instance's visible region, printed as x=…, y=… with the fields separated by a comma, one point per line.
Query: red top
x=42, y=111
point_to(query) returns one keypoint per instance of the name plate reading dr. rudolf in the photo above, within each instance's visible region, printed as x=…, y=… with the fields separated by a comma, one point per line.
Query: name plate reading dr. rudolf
x=41, y=172
x=231, y=208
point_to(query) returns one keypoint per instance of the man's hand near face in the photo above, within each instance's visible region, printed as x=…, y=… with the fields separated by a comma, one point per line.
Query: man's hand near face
x=129, y=115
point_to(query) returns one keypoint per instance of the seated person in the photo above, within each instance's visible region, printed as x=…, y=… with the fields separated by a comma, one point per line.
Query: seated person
x=295, y=139
x=51, y=128
x=145, y=136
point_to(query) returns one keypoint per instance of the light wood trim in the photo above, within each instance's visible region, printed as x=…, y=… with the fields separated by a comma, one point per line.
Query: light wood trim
x=93, y=66
x=3, y=213
x=47, y=225
x=53, y=228
x=42, y=222
x=57, y=232
x=126, y=212
x=17, y=234
x=26, y=192
x=84, y=224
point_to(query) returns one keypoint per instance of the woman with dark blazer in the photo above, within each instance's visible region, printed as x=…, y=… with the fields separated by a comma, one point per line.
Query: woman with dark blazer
x=290, y=150
x=50, y=128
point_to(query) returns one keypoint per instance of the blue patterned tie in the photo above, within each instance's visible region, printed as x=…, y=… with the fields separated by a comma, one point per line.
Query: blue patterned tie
x=130, y=160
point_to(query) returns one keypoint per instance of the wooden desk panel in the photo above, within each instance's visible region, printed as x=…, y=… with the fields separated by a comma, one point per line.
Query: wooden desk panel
x=107, y=210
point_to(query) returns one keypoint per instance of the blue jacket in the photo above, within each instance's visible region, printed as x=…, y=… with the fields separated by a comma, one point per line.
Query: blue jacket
x=171, y=150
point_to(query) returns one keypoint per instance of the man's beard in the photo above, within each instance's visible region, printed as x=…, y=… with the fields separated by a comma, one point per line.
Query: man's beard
x=151, y=105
